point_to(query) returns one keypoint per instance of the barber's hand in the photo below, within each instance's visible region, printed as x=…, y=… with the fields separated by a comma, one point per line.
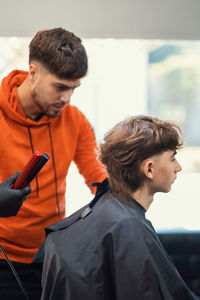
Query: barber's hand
x=11, y=199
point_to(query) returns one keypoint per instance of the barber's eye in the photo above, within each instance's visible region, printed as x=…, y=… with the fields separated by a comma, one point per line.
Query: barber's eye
x=60, y=88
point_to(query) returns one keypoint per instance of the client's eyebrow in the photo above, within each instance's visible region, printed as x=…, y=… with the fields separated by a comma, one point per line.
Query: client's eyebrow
x=174, y=153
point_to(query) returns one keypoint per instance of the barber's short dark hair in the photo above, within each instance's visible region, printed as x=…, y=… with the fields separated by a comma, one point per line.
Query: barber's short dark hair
x=132, y=141
x=61, y=52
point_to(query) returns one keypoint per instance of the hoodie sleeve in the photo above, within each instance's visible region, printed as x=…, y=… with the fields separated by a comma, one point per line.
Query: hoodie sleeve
x=86, y=155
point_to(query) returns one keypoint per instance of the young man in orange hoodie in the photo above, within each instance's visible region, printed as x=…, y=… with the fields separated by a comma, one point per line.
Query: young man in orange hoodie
x=35, y=114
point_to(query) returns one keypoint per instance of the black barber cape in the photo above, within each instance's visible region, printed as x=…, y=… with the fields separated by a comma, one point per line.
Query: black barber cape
x=108, y=250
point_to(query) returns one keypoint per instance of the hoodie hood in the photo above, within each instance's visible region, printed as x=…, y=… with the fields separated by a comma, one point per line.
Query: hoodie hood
x=9, y=101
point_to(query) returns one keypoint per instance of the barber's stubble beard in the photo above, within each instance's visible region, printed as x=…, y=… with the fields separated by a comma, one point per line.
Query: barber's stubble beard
x=44, y=111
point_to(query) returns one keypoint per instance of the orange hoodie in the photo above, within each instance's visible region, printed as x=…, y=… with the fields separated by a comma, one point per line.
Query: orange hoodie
x=68, y=137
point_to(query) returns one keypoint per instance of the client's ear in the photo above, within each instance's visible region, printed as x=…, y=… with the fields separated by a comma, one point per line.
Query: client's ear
x=147, y=168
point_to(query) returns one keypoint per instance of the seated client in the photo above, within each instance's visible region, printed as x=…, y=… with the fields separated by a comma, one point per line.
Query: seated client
x=108, y=249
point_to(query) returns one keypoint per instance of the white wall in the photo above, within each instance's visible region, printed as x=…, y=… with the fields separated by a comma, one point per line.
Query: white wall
x=171, y=19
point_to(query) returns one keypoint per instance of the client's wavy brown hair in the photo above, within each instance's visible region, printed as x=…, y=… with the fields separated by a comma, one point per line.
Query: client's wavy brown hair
x=132, y=141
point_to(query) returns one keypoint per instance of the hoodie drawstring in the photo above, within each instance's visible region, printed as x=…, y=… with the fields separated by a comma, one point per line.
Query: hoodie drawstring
x=54, y=166
x=31, y=142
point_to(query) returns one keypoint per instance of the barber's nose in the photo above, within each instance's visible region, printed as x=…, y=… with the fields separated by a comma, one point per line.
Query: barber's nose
x=66, y=96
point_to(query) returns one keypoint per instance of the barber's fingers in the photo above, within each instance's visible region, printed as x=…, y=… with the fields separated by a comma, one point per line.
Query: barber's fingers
x=26, y=190
x=12, y=178
x=21, y=194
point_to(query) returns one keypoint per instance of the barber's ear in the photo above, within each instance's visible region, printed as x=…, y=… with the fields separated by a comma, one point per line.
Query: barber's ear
x=148, y=168
x=33, y=71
